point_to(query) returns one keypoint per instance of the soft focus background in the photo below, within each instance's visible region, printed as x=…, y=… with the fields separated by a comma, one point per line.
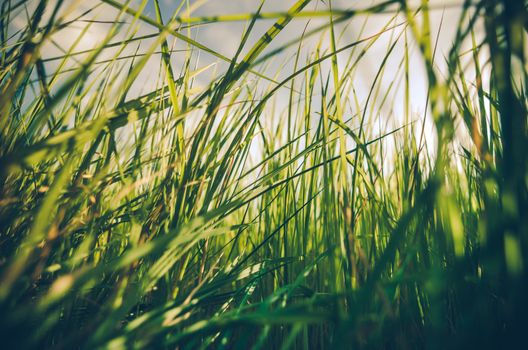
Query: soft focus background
x=224, y=38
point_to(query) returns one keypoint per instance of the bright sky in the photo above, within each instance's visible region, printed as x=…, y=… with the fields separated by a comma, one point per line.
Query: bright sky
x=225, y=37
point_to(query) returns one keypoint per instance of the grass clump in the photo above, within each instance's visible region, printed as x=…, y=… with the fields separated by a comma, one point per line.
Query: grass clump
x=157, y=193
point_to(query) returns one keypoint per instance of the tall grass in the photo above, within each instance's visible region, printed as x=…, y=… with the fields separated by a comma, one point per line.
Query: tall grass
x=274, y=198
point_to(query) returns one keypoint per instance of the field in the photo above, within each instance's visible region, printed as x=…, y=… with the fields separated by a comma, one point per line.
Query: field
x=298, y=174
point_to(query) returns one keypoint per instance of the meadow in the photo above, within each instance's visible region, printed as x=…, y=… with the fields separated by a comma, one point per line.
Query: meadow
x=156, y=192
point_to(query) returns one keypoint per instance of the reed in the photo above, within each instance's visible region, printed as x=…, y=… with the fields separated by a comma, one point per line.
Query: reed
x=274, y=198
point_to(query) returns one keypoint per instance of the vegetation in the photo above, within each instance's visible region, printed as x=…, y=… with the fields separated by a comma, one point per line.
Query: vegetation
x=274, y=199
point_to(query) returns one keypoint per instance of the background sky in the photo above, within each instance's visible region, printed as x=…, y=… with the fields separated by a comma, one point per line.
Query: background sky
x=225, y=37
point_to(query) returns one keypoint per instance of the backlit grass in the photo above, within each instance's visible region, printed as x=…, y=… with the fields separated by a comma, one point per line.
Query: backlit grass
x=156, y=193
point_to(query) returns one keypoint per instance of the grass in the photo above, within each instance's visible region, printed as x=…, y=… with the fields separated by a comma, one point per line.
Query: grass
x=270, y=199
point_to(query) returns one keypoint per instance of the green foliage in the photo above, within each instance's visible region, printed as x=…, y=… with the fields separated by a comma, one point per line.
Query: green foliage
x=203, y=215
